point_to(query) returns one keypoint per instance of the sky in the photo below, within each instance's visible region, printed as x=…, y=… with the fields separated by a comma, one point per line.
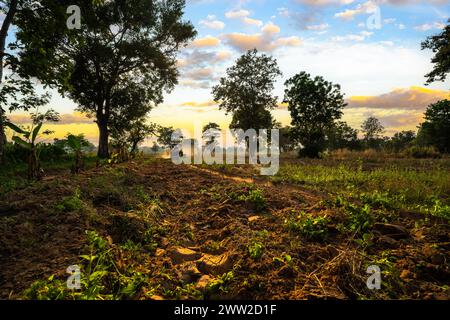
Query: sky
x=371, y=48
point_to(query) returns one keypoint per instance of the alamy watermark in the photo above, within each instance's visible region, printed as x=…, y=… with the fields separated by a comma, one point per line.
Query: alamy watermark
x=257, y=147
x=374, y=281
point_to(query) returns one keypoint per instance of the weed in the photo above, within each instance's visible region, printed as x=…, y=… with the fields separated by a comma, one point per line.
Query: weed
x=360, y=218
x=221, y=283
x=255, y=250
x=313, y=228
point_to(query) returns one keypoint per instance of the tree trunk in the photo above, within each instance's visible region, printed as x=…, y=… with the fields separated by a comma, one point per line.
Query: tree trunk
x=103, y=151
x=3, y=34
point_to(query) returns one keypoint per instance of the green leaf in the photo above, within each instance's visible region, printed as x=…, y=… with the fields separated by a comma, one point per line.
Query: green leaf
x=15, y=128
x=36, y=132
x=21, y=142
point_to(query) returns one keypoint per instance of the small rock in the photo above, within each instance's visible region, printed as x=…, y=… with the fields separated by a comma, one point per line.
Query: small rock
x=253, y=219
x=437, y=259
x=391, y=230
x=203, y=282
x=189, y=272
x=180, y=255
x=387, y=242
x=216, y=265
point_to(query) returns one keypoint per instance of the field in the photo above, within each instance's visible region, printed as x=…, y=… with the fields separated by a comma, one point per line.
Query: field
x=149, y=229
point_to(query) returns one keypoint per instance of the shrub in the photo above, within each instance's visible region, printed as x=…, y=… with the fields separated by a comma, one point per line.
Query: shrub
x=423, y=152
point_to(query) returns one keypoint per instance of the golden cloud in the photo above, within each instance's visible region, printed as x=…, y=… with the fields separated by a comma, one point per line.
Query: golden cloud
x=413, y=98
x=208, y=41
x=74, y=118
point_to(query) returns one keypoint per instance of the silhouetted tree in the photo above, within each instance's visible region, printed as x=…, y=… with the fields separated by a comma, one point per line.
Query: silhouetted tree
x=440, y=45
x=120, y=44
x=435, y=130
x=341, y=136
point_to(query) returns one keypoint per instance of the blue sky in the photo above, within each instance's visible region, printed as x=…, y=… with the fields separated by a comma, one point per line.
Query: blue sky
x=380, y=66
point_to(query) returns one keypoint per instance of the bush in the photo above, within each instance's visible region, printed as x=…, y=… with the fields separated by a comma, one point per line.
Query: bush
x=423, y=152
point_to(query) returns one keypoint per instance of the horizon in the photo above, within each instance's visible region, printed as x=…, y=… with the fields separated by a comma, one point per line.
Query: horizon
x=381, y=71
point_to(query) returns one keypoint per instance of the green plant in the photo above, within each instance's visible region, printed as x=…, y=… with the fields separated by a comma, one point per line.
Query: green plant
x=256, y=198
x=255, y=250
x=221, y=283
x=72, y=203
x=28, y=142
x=360, y=218
x=76, y=144
x=313, y=228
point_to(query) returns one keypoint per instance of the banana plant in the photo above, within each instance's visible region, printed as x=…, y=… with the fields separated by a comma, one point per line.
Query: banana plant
x=76, y=143
x=28, y=141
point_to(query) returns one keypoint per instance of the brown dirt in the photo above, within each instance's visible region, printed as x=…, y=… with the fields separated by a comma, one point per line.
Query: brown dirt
x=36, y=242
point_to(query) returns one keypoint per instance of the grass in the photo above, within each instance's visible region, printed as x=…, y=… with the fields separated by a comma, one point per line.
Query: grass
x=413, y=187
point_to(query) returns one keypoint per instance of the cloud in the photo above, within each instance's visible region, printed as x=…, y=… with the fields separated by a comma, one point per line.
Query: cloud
x=267, y=40
x=197, y=67
x=243, y=16
x=197, y=104
x=212, y=23
x=430, y=26
x=413, y=98
x=325, y=2
x=200, y=74
x=74, y=118
x=363, y=8
x=254, y=22
x=353, y=37
x=318, y=27
x=237, y=14
x=207, y=41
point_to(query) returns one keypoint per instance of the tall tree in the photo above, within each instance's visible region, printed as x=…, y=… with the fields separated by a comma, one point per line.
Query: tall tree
x=314, y=104
x=440, y=45
x=435, y=130
x=120, y=44
x=341, y=136
x=246, y=91
x=211, y=132
x=10, y=8
x=372, y=130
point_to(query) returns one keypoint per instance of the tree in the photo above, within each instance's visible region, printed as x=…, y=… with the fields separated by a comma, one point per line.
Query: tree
x=342, y=136
x=440, y=45
x=401, y=140
x=246, y=91
x=435, y=130
x=211, y=132
x=286, y=142
x=165, y=137
x=314, y=105
x=121, y=45
x=372, y=130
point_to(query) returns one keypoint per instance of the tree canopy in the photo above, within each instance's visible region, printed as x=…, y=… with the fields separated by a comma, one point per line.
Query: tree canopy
x=246, y=91
x=120, y=45
x=314, y=105
x=440, y=45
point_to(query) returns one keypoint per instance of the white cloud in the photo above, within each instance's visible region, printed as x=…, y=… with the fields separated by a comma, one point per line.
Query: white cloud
x=318, y=27
x=251, y=21
x=430, y=26
x=211, y=22
x=364, y=8
x=237, y=14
